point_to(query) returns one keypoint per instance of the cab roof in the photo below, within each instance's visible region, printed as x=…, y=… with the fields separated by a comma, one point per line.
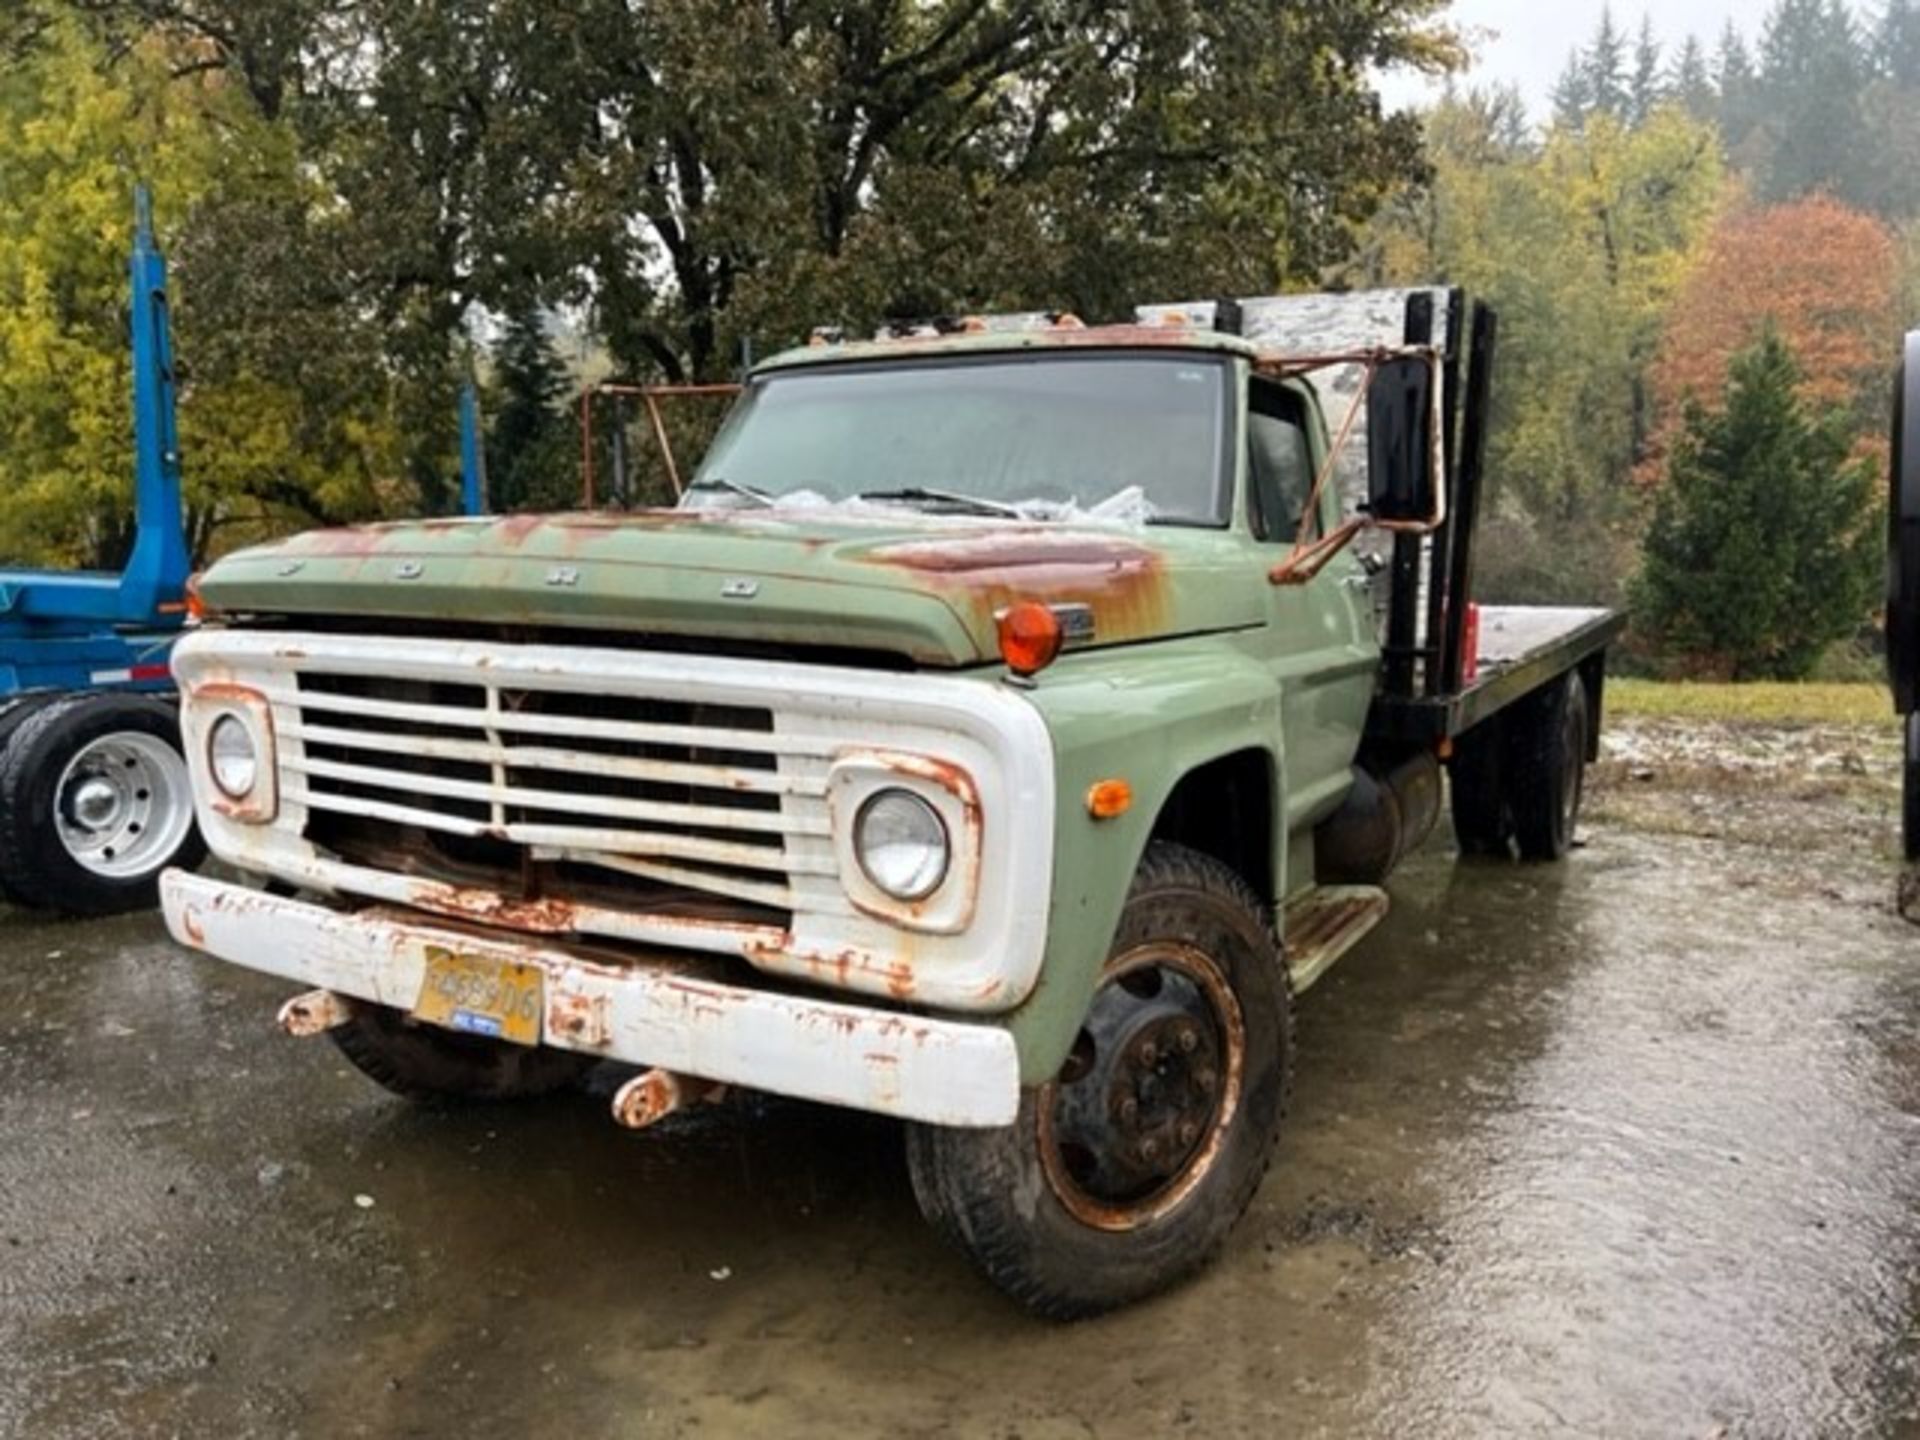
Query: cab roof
x=1060, y=337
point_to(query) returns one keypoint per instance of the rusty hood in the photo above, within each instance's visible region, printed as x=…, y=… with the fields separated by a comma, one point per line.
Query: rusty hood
x=927, y=588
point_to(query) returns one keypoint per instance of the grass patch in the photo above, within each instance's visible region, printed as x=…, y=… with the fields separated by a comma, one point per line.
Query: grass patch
x=1761, y=703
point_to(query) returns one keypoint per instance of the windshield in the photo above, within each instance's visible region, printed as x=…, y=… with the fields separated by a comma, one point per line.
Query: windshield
x=1037, y=437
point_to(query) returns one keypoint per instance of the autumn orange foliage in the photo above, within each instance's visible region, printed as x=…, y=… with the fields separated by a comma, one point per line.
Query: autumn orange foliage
x=1825, y=275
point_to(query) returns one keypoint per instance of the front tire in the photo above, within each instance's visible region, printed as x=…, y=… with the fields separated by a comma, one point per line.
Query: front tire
x=1125, y=1172
x=418, y=1061
x=95, y=802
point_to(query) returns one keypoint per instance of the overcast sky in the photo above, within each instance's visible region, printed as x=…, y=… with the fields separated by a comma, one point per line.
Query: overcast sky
x=1526, y=41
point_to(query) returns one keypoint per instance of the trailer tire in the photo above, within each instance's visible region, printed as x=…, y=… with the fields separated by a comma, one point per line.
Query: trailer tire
x=11, y=719
x=426, y=1063
x=95, y=802
x=1476, y=777
x=1910, y=790
x=1903, y=533
x=1192, y=1024
x=1547, y=761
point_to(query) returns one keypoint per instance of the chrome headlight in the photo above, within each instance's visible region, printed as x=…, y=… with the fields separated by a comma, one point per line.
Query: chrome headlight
x=233, y=758
x=902, y=844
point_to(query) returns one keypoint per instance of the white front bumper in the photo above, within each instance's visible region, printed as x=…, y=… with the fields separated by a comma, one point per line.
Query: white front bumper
x=644, y=1012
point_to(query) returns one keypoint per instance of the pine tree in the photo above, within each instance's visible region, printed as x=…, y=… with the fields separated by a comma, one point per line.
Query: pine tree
x=1734, y=79
x=526, y=438
x=1812, y=71
x=1644, y=90
x=1571, y=97
x=1690, y=84
x=1606, y=67
x=1896, y=44
x=1764, y=547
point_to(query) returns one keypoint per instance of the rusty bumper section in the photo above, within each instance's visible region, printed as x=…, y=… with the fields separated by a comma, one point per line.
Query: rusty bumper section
x=644, y=1013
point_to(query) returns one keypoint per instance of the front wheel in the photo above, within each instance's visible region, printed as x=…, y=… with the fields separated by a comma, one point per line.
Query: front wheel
x=95, y=802
x=423, y=1062
x=1126, y=1171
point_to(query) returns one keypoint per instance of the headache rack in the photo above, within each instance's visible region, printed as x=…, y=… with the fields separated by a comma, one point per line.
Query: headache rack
x=1431, y=689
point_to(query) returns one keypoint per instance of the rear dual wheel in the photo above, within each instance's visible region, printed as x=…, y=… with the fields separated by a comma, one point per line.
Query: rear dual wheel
x=95, y=802
x=1519, y=778
x=1126, y=1171
x=11, y=719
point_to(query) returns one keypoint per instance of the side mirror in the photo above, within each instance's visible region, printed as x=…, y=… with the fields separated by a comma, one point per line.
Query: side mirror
x=1400, y=468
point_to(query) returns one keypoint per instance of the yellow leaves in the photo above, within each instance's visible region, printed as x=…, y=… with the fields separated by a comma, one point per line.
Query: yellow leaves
x=261, y=454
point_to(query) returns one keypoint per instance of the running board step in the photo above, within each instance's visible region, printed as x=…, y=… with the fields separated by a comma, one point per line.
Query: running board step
x=1324, y=924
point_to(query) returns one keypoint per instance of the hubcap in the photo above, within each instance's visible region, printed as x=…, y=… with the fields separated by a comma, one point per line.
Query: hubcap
x=123, y=806
x=1134, y=1120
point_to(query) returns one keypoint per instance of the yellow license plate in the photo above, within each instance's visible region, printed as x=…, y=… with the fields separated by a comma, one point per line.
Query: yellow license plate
x=497, y=998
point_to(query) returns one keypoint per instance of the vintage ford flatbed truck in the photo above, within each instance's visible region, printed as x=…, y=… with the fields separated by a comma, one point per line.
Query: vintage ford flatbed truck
x=998, y=736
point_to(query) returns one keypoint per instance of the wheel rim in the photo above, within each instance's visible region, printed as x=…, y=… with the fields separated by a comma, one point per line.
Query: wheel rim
x=1136, y=1117
x=123, y=805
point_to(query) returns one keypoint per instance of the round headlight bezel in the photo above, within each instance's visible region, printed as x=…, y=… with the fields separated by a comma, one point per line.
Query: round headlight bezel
x=921, y=881
x=234, y=725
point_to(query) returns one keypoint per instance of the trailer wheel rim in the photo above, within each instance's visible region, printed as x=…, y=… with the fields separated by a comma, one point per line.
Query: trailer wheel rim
x=1140, y=1112
x=123, y=805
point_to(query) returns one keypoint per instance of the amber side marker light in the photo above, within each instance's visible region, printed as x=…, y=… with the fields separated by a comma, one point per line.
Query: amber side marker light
x=1109, y=798
x=1029, y=637
x=195, y=605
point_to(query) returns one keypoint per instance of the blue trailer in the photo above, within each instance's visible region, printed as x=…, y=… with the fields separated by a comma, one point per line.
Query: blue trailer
x=94, y=794
x=95, y=799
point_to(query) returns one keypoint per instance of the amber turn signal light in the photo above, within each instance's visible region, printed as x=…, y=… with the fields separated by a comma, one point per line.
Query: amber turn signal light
x=1029, y=637
x=1108, y=798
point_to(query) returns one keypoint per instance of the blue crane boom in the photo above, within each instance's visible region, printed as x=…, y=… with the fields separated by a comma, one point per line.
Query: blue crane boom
x=68, y=630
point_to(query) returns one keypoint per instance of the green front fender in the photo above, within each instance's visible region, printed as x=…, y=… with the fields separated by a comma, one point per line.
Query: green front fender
x=1150, y=722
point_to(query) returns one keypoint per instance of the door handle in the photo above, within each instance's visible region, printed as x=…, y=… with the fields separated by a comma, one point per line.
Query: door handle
x=1358, y=582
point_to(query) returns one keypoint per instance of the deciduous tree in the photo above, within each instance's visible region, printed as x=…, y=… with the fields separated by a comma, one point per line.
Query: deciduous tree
x=1822, y=276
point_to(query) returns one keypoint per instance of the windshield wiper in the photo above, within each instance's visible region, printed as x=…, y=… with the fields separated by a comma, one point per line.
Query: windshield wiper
x=973, y=504
x=720, y=482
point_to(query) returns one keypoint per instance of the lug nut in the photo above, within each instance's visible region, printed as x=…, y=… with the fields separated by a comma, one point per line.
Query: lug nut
x=1189, y=1039
x=1189, y=1132
x=1149, y=1149
x=1205, y=1080
x=1129, y=1110
x=1149, y=1052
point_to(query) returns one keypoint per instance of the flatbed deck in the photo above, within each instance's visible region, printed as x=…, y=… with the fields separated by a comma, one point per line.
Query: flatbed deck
x=1522, y=647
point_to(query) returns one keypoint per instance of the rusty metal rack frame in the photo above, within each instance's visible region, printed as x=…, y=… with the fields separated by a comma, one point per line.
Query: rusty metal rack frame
x=1460, y=423
x=650, y=396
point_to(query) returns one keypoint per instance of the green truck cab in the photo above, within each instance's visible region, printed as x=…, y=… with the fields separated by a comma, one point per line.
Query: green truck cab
x=998, y=735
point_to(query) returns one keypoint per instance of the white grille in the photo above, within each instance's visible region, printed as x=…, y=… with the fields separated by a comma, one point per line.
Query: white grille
x=711, y=798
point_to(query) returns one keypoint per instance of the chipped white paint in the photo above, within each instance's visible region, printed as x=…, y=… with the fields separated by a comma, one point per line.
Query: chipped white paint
x=787, y=858
x=644, y=1012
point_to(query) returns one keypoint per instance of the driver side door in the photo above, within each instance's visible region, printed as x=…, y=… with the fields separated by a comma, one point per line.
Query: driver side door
x=1322, y=651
